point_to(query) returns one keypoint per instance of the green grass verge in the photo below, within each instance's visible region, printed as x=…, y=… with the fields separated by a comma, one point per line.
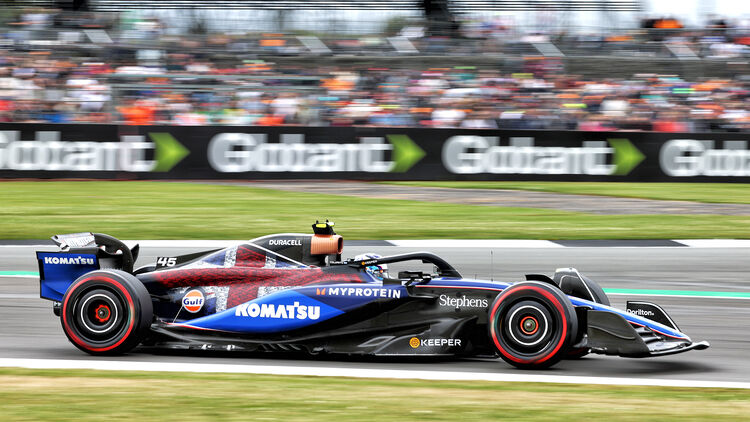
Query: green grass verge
x=734, y=193
x=82, y=395
x=154, y=210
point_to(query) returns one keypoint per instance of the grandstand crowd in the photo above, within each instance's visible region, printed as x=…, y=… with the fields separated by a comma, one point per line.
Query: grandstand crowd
x=185, y=88
x=43, y=90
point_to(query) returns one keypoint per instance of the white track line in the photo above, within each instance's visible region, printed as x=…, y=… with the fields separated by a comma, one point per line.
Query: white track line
x=19, y=296
x=475, y=243
x=716, y=243
x=424, y=243
x=355, y=373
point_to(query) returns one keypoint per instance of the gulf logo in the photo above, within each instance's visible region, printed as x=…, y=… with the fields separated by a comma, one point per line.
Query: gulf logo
x=193, y=301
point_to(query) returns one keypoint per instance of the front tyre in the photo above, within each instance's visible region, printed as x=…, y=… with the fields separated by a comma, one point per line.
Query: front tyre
x=532, y=325
x=106, y=312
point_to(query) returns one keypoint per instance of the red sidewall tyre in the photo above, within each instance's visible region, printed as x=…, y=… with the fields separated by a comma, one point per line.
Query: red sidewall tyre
x=106, y=312
x=532, y=325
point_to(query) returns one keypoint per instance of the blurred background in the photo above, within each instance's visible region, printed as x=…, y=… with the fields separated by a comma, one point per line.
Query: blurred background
x=614, y=131
x=667, y=65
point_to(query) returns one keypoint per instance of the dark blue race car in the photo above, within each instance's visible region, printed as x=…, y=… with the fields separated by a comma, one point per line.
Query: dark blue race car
x=293, y=292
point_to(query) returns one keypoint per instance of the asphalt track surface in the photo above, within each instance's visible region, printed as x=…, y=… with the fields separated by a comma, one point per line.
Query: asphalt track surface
x=28, y=328
x=594, y=204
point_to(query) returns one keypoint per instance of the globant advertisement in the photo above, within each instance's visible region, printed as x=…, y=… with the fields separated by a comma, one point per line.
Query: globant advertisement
x=367, y=153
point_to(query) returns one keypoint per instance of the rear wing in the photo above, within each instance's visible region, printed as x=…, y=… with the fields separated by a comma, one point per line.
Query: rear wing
x=79, y=254
x=58, y=270
x=74, y=240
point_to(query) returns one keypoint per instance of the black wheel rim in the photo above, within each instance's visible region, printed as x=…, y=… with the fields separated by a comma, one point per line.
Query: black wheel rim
x=528, y=328
x=100, y=316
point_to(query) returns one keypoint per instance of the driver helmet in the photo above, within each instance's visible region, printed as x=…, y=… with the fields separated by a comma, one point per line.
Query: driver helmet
x=377, y=271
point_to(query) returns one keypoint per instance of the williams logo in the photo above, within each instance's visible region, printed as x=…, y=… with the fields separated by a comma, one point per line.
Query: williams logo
x=270, y=310
x=193, y=301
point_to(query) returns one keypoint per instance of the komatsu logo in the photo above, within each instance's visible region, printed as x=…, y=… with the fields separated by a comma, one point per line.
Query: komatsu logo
x=285, y=242
x=269, y=310
x=68, y=260
x=358, y=291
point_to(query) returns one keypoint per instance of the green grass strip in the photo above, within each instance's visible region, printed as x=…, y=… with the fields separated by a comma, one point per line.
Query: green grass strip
x=83, y=395
x=732, y=193
x=17, y=273
x=157, y=210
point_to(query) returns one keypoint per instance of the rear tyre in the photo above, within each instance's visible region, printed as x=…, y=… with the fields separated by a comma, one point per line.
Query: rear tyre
x=532, y=325
x=106, y=312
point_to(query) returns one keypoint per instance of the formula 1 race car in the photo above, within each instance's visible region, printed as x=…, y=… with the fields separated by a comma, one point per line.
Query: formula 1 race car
x=293, y=292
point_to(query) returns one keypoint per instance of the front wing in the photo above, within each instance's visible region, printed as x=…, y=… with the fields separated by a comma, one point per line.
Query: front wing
x=610, y=334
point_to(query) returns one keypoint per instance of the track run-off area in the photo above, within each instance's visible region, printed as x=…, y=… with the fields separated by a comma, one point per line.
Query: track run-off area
x=704, y=285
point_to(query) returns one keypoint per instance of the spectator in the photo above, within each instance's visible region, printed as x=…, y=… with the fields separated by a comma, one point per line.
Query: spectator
x=195, y=85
